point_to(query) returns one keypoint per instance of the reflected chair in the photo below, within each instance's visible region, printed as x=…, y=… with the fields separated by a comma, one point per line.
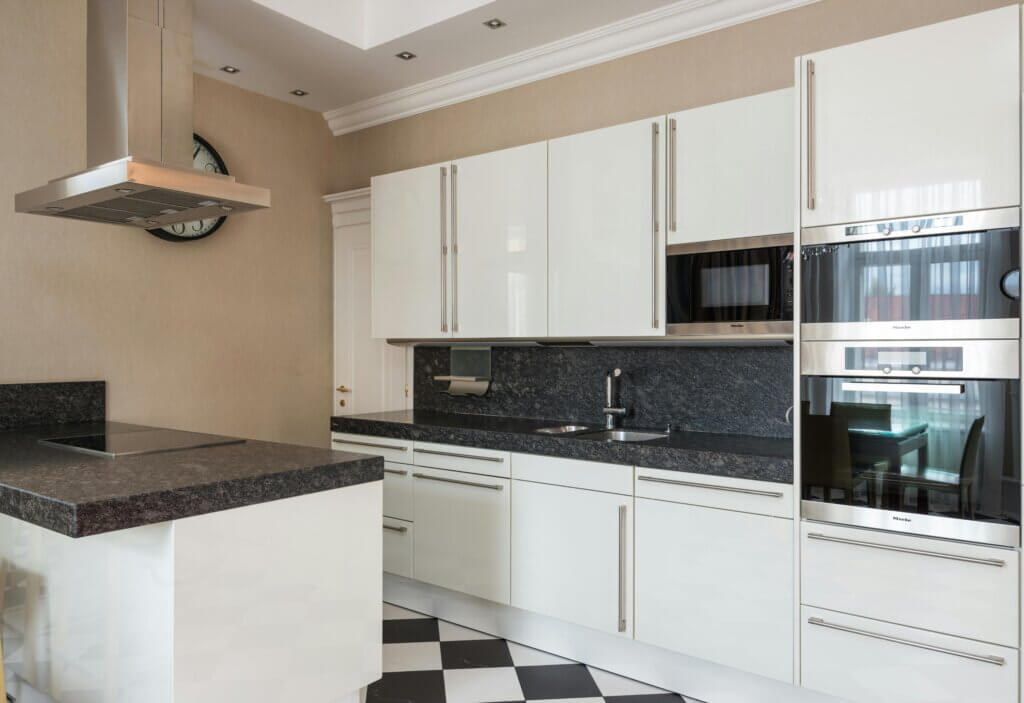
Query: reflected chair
x=825, y=457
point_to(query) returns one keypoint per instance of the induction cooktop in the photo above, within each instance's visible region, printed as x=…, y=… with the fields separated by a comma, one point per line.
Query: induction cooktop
x=117, y=444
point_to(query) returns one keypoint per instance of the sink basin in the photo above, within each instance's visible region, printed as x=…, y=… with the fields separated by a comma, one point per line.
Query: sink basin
x=623, y=436
x=562, y=429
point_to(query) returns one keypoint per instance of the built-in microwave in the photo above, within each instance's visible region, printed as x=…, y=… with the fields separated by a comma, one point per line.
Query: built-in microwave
x=741, y=286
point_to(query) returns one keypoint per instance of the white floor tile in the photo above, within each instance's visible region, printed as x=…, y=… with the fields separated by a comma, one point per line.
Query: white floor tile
x=412, y=656
x=393, y=612
x=615, y=685
x=527, y=656
x=568, y=700
x=451, y=632
x=482, y=685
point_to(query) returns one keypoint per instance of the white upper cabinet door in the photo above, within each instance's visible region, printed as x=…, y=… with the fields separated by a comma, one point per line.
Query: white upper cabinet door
x=409, y=217
x=500, y=243
x=921, y=122
x=606, y=249
x=730, y=169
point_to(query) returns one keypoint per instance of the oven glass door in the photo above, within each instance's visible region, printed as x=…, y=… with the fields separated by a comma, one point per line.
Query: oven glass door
x=727, y=286
x=966, y=276
x=933, y=447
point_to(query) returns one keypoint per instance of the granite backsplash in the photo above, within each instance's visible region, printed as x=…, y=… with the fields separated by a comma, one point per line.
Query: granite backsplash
x=31, y=404
x=728, y=389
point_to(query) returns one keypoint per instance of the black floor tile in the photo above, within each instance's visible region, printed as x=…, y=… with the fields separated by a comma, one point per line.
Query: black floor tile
x=411, y=630
x=557, y=681
x=645, y=698
x=408, y=687
x=471, y=654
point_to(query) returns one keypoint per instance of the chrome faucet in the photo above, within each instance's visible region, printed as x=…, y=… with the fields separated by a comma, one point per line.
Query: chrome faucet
x=611, y=388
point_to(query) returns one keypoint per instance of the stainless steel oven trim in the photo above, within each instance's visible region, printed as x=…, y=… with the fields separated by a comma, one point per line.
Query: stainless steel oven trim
x=912, y=523
x=1000, y=328
x=899, y=228
x=780, y=328
x=983, y=358
x=764, y=241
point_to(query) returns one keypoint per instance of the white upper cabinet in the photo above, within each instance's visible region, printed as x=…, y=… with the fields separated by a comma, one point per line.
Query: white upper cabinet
x=606, y=249
x=921, y=122
x=499, y=243
x=409, y=217
x=730, y=169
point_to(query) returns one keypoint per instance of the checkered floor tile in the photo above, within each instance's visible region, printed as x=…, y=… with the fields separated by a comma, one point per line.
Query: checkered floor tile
x=427, y=660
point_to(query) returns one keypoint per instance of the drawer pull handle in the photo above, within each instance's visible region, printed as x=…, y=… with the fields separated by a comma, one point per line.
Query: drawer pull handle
x=396, y=529
x=497, y=459
x=371, y=444
x=396, y=472
x=987, y=658
x=491, y=486
x=731, y=489
x=907, y=550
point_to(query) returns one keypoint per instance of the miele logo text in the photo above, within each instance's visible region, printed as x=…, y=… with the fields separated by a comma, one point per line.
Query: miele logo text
x=901, y=327
x=901, y=519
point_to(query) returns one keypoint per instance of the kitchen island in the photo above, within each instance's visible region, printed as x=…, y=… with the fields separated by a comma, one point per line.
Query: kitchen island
x=243, y=572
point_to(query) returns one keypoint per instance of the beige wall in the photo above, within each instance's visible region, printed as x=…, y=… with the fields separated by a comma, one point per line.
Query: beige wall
x=231, y=334
x=730, y=63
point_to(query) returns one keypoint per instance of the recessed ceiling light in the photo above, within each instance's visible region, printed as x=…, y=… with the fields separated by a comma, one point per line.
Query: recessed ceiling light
x=299, y=92
x=406, y=55
x=494, y=23
x=230, y=69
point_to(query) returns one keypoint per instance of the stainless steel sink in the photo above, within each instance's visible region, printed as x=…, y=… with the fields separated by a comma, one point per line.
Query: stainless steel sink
x=623, y=436
x=563, y=429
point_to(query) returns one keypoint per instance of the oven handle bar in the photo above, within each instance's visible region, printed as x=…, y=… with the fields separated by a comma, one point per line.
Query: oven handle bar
x=925, y=388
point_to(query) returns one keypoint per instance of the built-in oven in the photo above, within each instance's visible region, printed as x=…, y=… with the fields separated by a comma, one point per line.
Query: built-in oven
x=954, y=276
x=741, y=286
x=919, y=437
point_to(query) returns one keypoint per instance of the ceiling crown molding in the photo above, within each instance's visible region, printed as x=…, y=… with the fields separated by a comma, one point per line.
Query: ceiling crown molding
x=672, y=23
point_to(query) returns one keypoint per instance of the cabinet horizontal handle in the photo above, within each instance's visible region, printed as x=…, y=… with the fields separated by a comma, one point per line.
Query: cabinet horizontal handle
x=906, y=550
x=497, y=459
x=731, y=489
x=987, y=658
x=372, y=444
x=396, y=472
x=491, y=486
x=396, y=529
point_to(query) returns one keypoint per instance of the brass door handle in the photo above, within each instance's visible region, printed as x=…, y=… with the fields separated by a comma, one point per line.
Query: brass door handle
x=343, y=389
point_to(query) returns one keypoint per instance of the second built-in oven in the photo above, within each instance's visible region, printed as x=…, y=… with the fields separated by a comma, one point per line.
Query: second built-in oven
x=914, y=437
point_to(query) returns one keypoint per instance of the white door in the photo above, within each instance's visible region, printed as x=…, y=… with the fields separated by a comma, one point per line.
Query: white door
x=920, y=122
x=369, y=374
x=730, y=169
x=606, y=246
x=572, y=555
x=499, y=243
x=461, y=539
x=716, y=584
x=411, y=256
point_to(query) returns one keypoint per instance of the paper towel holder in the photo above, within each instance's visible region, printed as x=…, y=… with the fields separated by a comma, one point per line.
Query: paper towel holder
x=470, y=371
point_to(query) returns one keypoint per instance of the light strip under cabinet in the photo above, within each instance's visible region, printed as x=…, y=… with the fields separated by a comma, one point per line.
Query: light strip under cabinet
x=937, y=388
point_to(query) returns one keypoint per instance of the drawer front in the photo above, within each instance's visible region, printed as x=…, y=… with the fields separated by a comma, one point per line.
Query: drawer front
x=761, y=497
x=398, y=541
x=398, y=450
x=590, y=475
x=866, y=660
x=961, y=589
x=398, y=490
x=469, y=459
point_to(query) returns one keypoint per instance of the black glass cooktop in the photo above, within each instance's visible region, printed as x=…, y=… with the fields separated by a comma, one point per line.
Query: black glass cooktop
x=115, y=444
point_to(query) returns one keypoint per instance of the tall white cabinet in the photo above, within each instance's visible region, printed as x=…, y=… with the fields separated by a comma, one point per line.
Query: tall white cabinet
x=921, y=122
x=606, y=245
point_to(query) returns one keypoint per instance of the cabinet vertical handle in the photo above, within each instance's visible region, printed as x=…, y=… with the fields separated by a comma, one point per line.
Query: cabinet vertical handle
x=811, y=175
x=455, y=250
x=444, y=249
x=672, y=156
x=622, y=567
x=655, y=224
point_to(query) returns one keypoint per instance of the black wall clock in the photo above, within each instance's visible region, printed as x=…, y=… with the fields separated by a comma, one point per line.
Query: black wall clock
x=206, y=158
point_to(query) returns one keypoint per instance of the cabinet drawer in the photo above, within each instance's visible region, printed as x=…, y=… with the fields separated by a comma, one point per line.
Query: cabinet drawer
x=868, y=660
x=590, y=475
x=399, y=450
x=961, y=589
x=761, y=497
x=455, y=458
x=398, y=540
x=398, y=490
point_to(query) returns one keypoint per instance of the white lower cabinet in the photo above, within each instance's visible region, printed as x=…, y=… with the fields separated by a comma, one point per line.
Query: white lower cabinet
x=398, y=538
x=572, y=554
x=716, y=584
x=461, y=540
x=868, y=660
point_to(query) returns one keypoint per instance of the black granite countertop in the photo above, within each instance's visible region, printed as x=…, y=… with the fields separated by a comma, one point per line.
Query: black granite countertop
x=77, y=494
x=739, y=456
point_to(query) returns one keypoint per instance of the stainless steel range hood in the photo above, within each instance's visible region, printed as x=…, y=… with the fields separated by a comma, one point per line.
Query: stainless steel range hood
x=139, y=127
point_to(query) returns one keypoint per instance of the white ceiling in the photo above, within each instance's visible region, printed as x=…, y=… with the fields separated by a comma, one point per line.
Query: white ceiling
x=277, y=54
